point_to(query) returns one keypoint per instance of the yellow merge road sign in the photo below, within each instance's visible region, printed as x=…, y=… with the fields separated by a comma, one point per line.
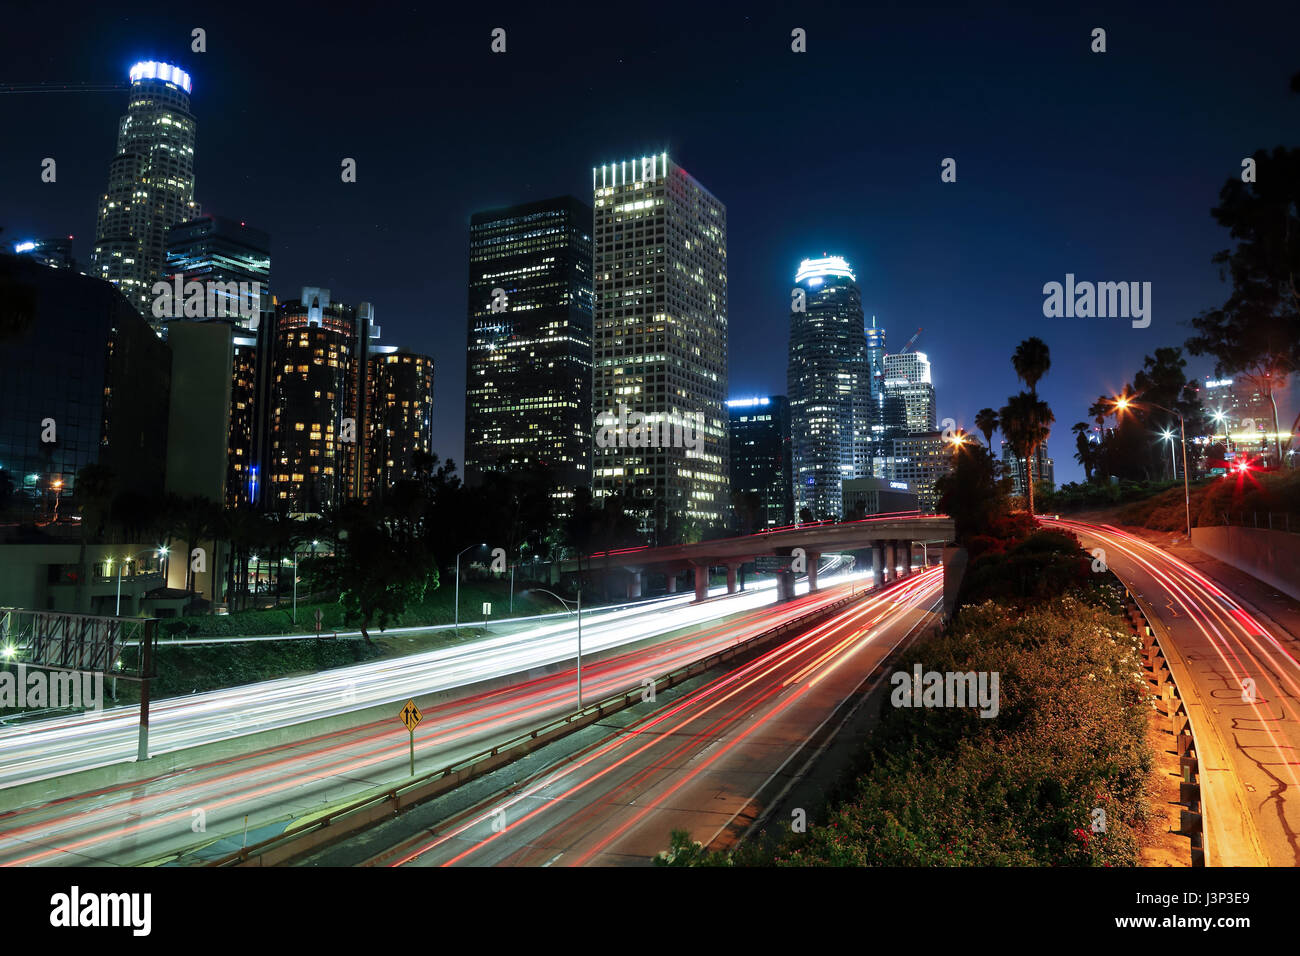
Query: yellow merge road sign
x=411, y=716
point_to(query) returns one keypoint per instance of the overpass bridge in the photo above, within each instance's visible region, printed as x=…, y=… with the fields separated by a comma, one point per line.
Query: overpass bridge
x=891, y=538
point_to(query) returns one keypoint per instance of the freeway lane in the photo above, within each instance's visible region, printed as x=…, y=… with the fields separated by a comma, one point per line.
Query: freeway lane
x=156, y=818
x=63, y=745
x=1219, y=649
x=702, y=764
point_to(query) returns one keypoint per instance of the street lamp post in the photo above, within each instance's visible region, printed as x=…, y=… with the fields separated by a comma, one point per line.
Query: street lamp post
x=1121, y=404
x=470, y=548
x=295, y=579
x=579, y=613
x=1168, y=435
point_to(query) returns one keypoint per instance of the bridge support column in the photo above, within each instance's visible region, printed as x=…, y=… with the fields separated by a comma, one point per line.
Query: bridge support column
x=701, y=581
x=634, y=585
x=814, y=559
x=907, y=559
x=784, y=586
x=731, y=577
x=878, y=565
x=671, y=578
x=891, y=558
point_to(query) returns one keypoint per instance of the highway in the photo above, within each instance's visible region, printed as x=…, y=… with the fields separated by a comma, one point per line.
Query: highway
x=62, y=745
x=154, y=819
x=704, y=763
x=1240, y=680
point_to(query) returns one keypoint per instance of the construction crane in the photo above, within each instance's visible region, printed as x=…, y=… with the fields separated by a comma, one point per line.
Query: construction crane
x=911, y=341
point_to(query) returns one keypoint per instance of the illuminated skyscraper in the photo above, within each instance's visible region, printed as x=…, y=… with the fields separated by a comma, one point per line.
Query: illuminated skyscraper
x=528, y=367
x=660, y=343
x=55, y=253
x=319, y=398
x=760, y=461
x=150, y=183
x=907, y=376
x=400, y=416
x=828, y=379
x=219, y=250
x=1044, y=468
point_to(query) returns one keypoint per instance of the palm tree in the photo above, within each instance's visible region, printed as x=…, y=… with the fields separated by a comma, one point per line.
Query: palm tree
x=1084, y=451
x=986, y=420
x=1026, y=423
x=1099, y=409
x=1032, y=359
x=196, y=518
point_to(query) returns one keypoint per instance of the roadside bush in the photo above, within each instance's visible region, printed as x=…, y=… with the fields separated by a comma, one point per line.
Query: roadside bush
x=946, y=787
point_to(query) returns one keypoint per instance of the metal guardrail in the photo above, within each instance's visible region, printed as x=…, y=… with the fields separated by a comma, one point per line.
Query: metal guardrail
x=1193, y=822
x=1268, y=520
x=346, y=819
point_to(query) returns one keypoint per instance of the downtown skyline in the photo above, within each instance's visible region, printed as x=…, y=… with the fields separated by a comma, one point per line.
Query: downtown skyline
x=965, y=261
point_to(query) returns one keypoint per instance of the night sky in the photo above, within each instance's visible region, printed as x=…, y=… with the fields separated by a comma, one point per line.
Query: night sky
x=1103, y=165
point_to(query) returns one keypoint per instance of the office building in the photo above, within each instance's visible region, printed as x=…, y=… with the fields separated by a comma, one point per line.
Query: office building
x=317, y=416
x=55, y=253
x=660, y=341
x=220, y=251
x=919, y=459
x=1237, y=410
x=529, y=360
x=761, y=462
x=1044, y=468
x=150, y=183
x=828, y=381
x=864, y=497
x=83, y=380
x=400, y=425
x=907, y=376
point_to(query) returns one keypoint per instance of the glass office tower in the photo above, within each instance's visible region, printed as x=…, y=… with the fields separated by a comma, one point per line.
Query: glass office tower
x=760, y=461
x=660, y=344
x=150, y=183
x=528, y=365
x=828, y=382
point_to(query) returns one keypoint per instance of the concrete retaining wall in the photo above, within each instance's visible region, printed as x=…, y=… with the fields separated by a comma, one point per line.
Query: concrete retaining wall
x=1271, y=556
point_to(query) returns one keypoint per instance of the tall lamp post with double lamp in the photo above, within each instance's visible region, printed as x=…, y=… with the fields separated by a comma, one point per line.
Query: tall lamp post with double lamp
x=161, y=552
x=1124, y=404
x=470, y=548
x=579, y=613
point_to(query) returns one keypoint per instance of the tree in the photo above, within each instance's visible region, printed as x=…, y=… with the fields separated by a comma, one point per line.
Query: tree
x=1101, y=409
x=1255, y=334
x=1031, y=360
x=986, y=420
x=1026, y=422
x=972, y=493
x=377, y=570
x=92, y=495
x=748, y=507
x=1084, y=448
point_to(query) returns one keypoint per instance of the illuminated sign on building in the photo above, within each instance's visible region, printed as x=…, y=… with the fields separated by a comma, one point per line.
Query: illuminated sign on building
x=818, y=268
x=151, y=70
